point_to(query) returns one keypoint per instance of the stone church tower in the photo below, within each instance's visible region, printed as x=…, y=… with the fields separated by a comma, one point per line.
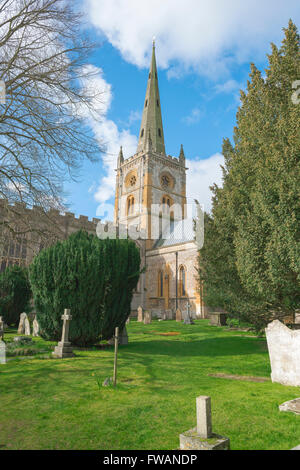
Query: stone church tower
x=150, y=199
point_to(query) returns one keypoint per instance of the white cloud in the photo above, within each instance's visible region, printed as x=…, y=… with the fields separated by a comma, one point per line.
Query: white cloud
x=200, y=176
x=107, y=133
x=194, y=117
x=205, y=36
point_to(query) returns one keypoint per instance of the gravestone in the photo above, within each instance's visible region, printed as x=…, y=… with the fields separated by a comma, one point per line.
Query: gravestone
x=2, y=352
x=169, y=315
x=64, y=348
x=147, y=318
x=284, y=353
x=123, y=337
x=140, y=314
x=188, y=319
x=178, y=315
x=1, y=328
x=201, y=437
x=35, y=327
x=217, y=319
x=128, y=321
x=21, y=328
x=26, y=327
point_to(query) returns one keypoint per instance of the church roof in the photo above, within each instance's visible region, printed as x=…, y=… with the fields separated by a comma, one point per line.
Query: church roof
x=151, y=125
x=181, y=231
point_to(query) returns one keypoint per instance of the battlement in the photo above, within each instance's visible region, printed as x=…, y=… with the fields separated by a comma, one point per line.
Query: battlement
x=156, y=154
x=54, y=214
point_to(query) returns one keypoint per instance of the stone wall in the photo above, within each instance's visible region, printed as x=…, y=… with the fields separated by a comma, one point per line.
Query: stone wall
x=35, y=229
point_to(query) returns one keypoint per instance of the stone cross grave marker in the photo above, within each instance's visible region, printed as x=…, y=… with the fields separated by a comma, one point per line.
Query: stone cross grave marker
x=204, y=426
x=202, y=437
x=64, y=348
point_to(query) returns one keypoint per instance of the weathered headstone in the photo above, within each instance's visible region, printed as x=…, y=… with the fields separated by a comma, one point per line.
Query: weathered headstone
x=217, y=319
x=178, y=315
x=128, y=321
x=21, y=328
x=201, y=437
x=140, y=314
x=123, y=337
x=64, y=348
x=284, y=353
x=188, y=319
x=27, y=327
x=147, y=318
x=1, y=328
x=35, y=327
x=292, y=406
x=169, y=314
x=2, y=352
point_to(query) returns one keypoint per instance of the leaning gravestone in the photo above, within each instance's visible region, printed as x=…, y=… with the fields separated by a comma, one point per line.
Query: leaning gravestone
x=21, y=328
x=64, y=348
x=27, y=327
x=140, y=314
x=284, y=353
x=147, y=318
x=178, y=315
x=35, y=327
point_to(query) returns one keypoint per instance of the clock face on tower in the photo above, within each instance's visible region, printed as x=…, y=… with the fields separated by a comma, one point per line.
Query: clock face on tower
x=165, y=181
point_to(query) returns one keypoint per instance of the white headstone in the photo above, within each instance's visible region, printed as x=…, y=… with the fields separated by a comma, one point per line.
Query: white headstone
x=284, y=352
x=2, y=352
x=35, y=327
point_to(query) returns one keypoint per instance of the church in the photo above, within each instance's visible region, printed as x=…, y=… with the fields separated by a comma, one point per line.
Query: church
x=151, y=202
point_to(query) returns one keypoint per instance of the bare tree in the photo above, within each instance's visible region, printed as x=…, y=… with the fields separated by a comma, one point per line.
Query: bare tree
x=43, y=123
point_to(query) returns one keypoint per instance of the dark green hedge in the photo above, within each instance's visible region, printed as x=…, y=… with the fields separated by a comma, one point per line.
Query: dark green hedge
x=92, y=277
x=15, y=294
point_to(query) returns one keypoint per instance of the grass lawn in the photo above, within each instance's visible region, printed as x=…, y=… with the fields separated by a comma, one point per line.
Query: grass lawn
x=56, y=403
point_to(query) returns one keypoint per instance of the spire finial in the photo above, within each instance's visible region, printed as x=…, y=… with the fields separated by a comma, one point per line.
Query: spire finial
x=153, y=41
x=120, y=157
x=182, y=155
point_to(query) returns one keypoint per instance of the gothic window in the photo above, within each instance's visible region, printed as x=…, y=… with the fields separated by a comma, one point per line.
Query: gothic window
x=146, y=103
x=159, y=132
x=160, y=283
x=157, y=102
x=130, y=205
x=182, y=282
x=142, y=132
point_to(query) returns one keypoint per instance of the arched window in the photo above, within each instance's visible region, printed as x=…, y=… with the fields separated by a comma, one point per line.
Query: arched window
x=160, y=283
x=142, y=132
x=182, y=282
x=130, y=205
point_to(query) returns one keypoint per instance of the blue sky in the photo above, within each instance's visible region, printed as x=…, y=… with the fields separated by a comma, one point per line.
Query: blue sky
x=203, y=53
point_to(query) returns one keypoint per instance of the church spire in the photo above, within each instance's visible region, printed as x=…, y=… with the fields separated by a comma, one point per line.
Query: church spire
x=151, y=119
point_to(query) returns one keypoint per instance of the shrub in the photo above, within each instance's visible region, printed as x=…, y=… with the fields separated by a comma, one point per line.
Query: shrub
x=15, y=294
x=92, y=277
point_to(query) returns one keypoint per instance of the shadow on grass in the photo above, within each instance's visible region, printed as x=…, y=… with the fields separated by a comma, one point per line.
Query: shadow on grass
x=211, y=347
